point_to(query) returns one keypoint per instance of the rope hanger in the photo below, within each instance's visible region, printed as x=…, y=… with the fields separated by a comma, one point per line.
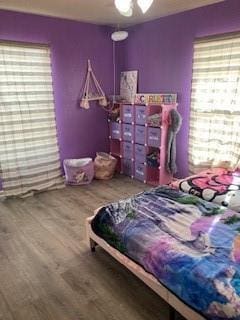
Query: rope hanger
x=98, y=95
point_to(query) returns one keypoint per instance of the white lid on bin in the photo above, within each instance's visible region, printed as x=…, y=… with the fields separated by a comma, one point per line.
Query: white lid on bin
x=77, y=162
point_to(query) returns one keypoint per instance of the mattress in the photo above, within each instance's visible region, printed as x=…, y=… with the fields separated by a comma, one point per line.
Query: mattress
x=191, y=246
x=216, y=185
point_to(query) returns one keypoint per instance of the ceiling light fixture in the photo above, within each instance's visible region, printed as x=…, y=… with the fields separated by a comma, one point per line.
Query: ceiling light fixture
x=125, y=7
x=129, y=13
x=119, y=35
x=144, y=5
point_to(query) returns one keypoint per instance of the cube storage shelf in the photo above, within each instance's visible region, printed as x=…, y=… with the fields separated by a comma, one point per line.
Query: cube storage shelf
x=139, y=142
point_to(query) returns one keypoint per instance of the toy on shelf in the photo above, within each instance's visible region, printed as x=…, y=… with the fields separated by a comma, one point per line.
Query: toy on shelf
x=96, y=94
x=154, y=120
x=153, y=158
x=114, y=112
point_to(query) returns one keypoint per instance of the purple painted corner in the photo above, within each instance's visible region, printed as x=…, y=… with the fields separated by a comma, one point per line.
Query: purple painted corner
x=162, y=51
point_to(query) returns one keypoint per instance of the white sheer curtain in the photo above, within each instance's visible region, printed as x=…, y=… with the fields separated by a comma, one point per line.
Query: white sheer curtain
x=215, y=103
x=29, y=154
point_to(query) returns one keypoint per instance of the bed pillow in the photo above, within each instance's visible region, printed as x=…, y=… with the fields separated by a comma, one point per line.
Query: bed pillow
x=218, y=185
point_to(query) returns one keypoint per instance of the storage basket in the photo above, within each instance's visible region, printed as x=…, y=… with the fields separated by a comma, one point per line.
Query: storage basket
x=127, y=150
x=104, y=165
x=140, y=115
x=154, y=137
x=128, y=114
x=78, y=171
x=115, y=130
x=140, y=134
x=127, y=132
x=140, y=153
x=127, y=167
x=140, y=172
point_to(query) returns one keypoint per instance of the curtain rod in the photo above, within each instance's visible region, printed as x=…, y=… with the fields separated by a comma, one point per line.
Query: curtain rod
x=218, y=37
x=25, y=44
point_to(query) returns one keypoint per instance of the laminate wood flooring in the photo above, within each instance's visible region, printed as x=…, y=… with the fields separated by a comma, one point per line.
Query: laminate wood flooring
x=47, y=271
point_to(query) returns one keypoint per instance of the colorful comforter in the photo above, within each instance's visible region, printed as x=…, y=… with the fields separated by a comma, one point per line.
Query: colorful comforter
x=217, y=185
x=190, y=245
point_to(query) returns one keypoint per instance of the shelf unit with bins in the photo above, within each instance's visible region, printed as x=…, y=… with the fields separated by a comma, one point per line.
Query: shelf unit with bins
x=133, y=139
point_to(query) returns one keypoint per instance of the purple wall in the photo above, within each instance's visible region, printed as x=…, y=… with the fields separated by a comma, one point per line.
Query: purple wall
x=81, y=132
x=162, y=52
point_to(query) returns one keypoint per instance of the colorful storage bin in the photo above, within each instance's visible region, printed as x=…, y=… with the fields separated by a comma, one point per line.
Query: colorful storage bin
x=140, y=153
x=140, y=115
x=127, y=132
x=104, y=166
x=127, y=167
x=115, y=130
x=127, y=150
x=140, y=134
x=154, y=137
x=127, y=113
x=78, y=171
x=140, y=171
x=138, y=139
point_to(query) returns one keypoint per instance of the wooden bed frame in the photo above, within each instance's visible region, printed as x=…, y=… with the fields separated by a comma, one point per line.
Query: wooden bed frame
x=147, y=278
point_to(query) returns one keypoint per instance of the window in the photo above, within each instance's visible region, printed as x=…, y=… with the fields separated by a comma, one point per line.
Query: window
x=215, y=103
x=29, y=155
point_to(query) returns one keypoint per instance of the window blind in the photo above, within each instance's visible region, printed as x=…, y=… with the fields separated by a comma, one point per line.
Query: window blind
x=29, y=153
x=215, y=103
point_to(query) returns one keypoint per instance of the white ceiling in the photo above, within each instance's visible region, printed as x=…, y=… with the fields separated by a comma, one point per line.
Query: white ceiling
x=100, y=11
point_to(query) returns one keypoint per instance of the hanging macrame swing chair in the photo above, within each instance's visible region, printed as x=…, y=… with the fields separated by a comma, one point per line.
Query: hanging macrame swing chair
x=92, y=90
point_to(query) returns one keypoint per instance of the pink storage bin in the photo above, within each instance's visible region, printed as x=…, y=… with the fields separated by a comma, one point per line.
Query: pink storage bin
x=78, y=171
x=140, y=134
x=127, y=113
x=127, y=132
x=115, y=130
x=154, y=137
x=140, y=115
x=140, y=153
x=127, y=149
x=140, y=172
x=127, y=167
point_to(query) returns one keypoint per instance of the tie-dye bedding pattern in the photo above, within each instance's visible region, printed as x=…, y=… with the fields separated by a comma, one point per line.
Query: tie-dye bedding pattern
x=190, y=245
x=217, y=185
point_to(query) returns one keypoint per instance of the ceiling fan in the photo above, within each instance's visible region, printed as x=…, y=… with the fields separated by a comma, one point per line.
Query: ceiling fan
x=125, y=7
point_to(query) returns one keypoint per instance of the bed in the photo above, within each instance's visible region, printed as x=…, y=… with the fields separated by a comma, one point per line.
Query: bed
x=186, y=249
x=218, y=185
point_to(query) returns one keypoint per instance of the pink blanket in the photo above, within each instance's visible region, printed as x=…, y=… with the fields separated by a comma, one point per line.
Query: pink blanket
x=218, y=185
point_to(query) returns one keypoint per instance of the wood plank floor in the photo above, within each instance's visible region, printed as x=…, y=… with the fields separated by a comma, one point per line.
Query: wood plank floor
x=47, y=271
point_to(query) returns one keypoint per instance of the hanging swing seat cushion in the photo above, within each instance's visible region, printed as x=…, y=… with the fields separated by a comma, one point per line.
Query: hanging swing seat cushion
x=94, y=98
x=78, y=171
